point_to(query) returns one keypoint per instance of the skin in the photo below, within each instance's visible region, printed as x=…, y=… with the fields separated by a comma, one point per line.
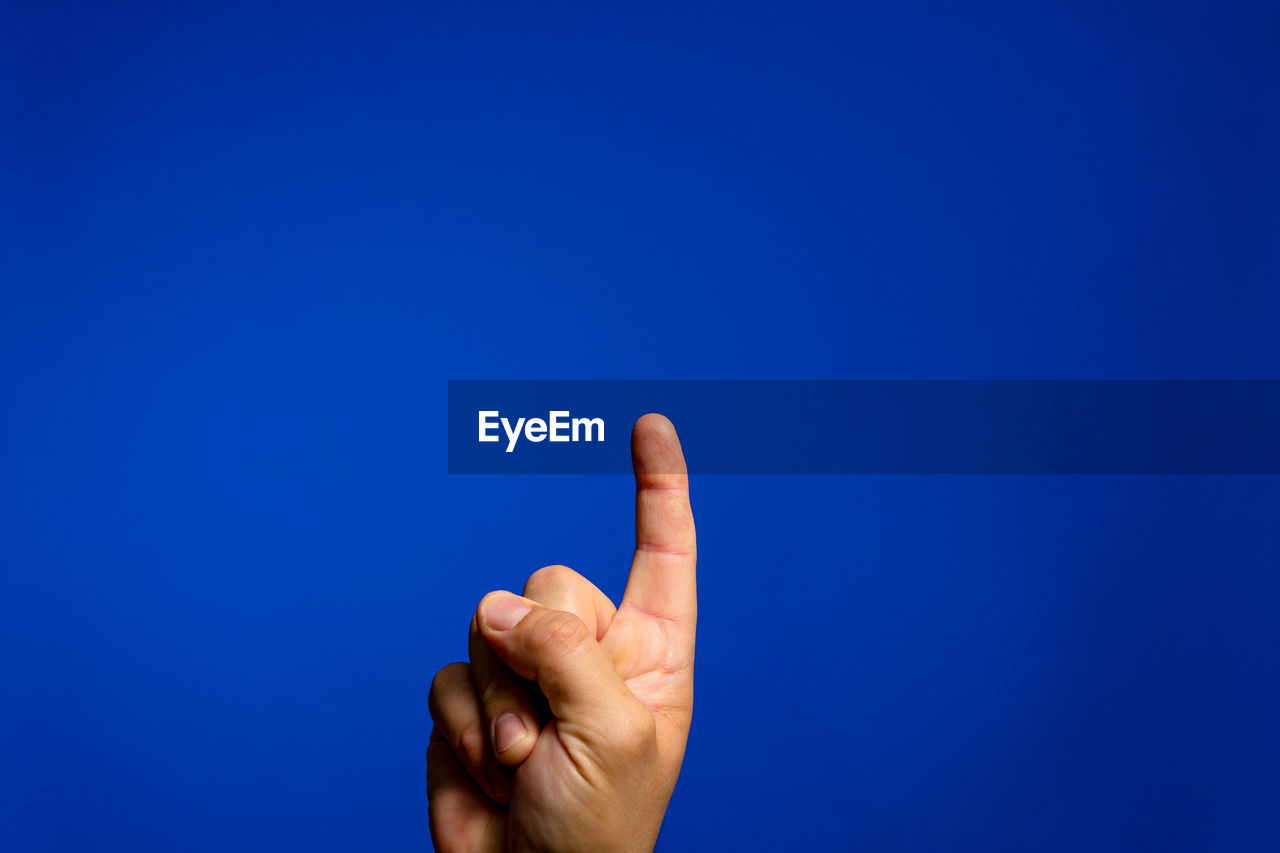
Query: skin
x=566, y=729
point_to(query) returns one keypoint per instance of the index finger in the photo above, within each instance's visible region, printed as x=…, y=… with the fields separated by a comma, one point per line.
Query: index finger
x=662, y=582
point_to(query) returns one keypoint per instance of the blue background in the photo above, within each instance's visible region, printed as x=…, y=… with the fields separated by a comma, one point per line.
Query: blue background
x=245, y=246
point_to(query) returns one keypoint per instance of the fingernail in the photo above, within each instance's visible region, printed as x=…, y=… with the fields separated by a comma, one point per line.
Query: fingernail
x=508, y=731
x=504, y=612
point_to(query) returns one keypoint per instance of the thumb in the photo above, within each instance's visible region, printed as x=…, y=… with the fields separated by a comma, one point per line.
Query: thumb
x=557, y=650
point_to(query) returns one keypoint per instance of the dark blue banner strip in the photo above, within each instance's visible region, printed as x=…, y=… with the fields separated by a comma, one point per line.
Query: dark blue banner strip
x=872, y=427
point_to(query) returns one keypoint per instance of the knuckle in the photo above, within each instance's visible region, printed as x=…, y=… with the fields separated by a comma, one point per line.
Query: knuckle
x=445, y=680
x=549, y=577
x=560, y=634
x=471, y=742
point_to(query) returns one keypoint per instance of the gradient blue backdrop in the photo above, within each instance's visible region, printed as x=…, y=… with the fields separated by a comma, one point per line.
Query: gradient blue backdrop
x=246, y=245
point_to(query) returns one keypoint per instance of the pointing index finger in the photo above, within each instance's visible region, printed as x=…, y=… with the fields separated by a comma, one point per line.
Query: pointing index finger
x=662, y=582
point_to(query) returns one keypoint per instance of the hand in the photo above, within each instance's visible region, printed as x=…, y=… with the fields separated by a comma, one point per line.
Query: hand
x=567, y=729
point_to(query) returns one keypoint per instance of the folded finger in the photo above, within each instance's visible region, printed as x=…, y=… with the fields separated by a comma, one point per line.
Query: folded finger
x=461, y=817
x=561, y=588
x=509, y=717
x=455, y=709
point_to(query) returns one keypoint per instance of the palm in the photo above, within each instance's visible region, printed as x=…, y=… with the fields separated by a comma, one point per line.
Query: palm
x=548, y=782
x=647, y=656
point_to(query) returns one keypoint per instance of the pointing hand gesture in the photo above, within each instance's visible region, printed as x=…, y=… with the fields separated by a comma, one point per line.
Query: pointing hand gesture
x=567, y=728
